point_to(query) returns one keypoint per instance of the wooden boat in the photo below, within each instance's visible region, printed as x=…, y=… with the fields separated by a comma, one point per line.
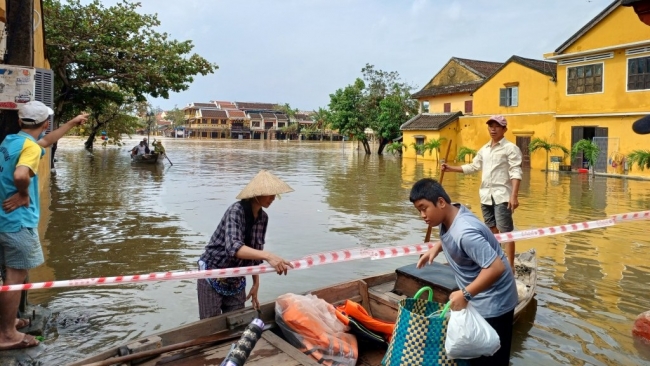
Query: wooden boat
x=208, y=341
x=145, y=159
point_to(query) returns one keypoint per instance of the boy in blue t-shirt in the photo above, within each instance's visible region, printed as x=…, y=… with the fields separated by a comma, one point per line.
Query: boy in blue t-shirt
x=482, y=270
x=20, y=248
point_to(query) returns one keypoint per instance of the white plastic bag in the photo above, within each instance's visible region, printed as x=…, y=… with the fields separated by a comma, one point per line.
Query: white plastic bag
x=469, y=335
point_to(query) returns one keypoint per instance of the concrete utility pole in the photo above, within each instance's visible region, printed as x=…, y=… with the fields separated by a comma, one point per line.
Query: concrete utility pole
x=20, y=51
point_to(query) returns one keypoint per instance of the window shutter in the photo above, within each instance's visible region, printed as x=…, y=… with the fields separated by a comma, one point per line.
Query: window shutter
x=514, y=99
x=468, y=106
x=503, y=97
x=44, y=91
x=447, y=107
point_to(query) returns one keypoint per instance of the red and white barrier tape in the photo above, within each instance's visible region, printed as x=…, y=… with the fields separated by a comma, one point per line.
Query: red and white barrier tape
x=324, y=258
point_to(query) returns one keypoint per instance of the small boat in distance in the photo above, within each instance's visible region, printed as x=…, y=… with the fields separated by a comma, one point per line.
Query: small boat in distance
x=208, y=341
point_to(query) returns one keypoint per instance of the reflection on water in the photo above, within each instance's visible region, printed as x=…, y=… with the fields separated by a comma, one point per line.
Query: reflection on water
x=108, y=218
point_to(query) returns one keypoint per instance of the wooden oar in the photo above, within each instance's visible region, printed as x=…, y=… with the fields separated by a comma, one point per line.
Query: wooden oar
x=170, y=162
x=201, y=341
x=442, y=175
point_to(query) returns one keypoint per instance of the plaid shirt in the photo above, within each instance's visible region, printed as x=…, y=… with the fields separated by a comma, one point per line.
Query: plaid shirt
x=229, y=237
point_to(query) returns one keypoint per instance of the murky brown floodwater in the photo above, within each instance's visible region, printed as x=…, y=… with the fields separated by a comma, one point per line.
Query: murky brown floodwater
x=110, y=218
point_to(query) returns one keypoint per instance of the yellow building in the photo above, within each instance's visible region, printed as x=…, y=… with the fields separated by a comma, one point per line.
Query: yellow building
x=604, y=84
x=446, y=97
x=523, y=91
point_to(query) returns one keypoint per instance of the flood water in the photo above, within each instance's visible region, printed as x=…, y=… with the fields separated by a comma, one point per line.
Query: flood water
x=109, y=218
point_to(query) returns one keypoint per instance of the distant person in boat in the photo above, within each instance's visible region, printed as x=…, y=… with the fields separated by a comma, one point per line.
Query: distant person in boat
x=20, y=248
x=500, y=163
x=482, y=271
x=141, y=149
x=239, y=241
x=158, y=147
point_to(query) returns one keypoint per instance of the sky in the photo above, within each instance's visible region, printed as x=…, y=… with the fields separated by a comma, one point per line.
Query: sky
x=300, y=51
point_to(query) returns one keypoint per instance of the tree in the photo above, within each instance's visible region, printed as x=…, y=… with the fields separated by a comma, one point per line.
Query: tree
x=465, y=151
x=346, y=112
x=91, y=45
x=176, y=116
x=419, y=149
x=542, y=144
x=590, y=152
x=639, y=157
x=434, y=144
x=321, y=121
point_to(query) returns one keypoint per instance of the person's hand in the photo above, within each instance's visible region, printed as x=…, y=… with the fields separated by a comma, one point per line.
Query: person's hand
x=513, y=203
x=281, y=265
x=80, y=119
x=458, y=301
x=444, y=167
x=252, y=295
x=429, y=256
x=15, y=201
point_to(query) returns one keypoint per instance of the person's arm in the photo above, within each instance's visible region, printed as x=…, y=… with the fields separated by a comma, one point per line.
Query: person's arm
x=55, y=135
x=477, y=247
x=252, y=294
x=26, y=168
x=474, y=166
x=430, y=255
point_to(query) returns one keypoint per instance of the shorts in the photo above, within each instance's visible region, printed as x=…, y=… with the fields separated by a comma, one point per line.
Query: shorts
x=211, y=303
x=498, y=215
x=21, y=249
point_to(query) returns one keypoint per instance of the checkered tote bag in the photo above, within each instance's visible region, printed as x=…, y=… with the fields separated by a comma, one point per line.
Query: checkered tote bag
x=419, y=334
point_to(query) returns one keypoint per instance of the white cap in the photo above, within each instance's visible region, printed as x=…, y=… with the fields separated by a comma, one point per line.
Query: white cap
x=34, y=112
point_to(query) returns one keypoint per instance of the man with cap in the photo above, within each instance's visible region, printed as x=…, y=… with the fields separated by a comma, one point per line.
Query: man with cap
x=239, y=241
x=20, y=249
x=500, y=163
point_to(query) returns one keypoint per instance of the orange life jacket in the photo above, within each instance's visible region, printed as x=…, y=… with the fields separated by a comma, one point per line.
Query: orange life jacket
x=358, y=313
x=315, y=340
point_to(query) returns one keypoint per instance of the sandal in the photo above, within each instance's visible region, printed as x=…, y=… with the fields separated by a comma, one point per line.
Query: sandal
x=28, y=341
x=22, y=323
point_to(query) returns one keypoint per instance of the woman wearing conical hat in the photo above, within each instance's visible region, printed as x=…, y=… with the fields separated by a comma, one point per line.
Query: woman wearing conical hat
x=238, y=241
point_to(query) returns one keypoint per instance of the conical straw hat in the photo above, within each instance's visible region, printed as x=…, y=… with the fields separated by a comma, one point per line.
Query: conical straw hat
x=264, y=184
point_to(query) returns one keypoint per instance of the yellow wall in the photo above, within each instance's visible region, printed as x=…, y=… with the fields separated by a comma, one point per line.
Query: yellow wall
x=448, y=132
x=619, y=27
x=437, y=103
x=536, y=92
x=614, y=99
x=460, y=75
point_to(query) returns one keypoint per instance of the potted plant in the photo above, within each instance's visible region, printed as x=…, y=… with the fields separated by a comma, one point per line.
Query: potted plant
x=590, y=152
x=464, y=152
x=639, y=157
x=541, y=144
x=396, y=147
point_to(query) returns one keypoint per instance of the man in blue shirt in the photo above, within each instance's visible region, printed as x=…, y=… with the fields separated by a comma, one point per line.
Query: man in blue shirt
x=482, y=271
x=20, y=248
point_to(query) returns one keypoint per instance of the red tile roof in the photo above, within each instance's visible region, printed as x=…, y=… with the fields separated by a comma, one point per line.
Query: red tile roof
x=257, y=106
x=430, y=122
x=200, y=105
x=255, y=116
x=268, y=116
x=226, y=105
x=213, y=113
x=235, y=113
x=481, y=68
x=431, y=91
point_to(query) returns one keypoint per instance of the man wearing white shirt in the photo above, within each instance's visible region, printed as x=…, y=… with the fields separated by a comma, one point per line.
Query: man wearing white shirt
x=500, y=163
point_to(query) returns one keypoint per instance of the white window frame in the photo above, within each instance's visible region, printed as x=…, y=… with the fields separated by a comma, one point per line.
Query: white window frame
x=627, y=72
x=510, y=101
x=566, y=87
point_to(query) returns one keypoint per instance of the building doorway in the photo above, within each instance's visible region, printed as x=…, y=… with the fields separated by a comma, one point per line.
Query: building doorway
x=588, y=133
x=522, y=144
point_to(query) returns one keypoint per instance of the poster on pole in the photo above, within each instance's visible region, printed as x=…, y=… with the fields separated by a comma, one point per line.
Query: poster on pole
x=17, y=86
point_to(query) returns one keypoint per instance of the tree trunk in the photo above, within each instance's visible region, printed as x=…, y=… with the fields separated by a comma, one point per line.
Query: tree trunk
x=366, y=147
x=382, y=144
x=547, y=161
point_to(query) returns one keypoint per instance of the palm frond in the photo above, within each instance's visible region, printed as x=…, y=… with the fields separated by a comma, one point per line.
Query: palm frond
x=588, y=148
x=465, y=151
x=639, y=157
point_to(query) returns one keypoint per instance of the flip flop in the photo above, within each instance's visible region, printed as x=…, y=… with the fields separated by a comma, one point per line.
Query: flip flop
x=28, y=341
x=22, y=323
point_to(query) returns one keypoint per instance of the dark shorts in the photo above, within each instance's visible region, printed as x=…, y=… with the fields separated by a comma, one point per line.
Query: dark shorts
x=499, y=216
x=503, y=325
x=212, y=303
x=21, y=250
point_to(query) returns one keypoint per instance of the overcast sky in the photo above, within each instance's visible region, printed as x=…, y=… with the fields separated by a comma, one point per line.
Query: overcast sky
x=300, y=51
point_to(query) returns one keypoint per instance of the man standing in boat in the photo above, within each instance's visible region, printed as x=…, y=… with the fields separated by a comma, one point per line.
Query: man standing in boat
x=20, y=248
x=500, y=163
x=481, y=268
x=239, y=241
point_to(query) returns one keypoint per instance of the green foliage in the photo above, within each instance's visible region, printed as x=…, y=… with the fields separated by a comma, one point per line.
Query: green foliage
x=465, y=151
x=419, y=149
x=541, y=144
x=176, y=116
x=90, y=45
x=639, y=157
x=380, y=101
x=588, y=148
x=396, y=147
x=434, y=145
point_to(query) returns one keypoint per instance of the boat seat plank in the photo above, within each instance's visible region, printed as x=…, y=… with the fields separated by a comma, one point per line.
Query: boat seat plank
x=438, y=276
